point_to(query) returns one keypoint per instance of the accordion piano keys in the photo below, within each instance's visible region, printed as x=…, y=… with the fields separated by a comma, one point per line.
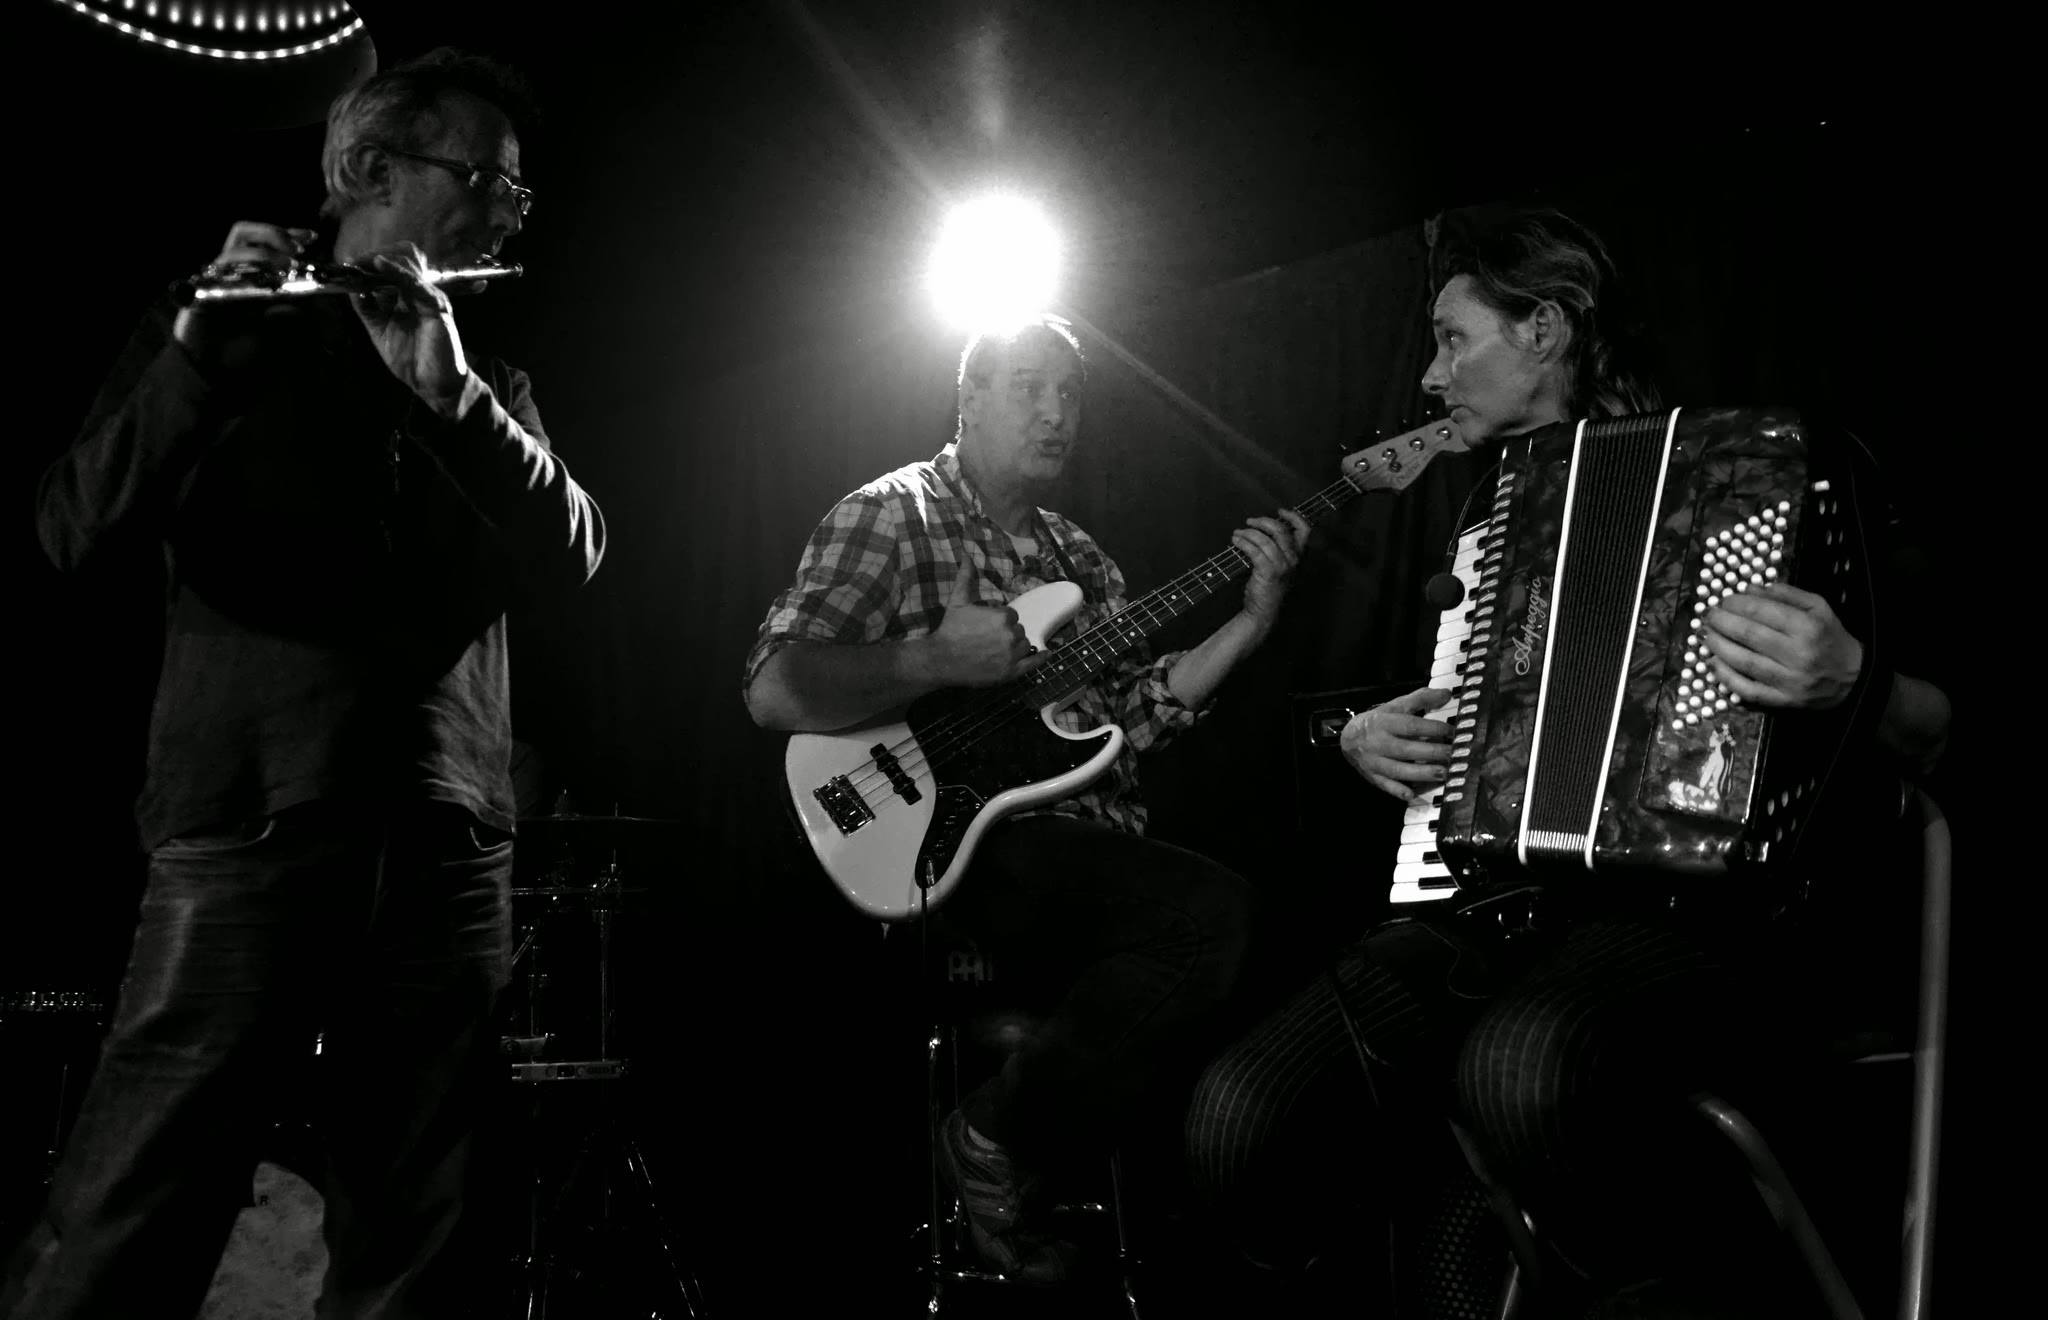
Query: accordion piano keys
x=1420, y=873
x=1607, y=544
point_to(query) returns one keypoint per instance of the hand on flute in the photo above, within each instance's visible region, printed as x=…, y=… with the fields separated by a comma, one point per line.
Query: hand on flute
x=412, y=324
x=250, y=243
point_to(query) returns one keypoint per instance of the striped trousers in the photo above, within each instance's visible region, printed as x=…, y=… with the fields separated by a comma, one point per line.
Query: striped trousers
x=1565, y=1050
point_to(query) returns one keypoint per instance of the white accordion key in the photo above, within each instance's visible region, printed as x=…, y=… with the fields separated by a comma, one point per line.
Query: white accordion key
x=1420, y=876
x=1422, y=883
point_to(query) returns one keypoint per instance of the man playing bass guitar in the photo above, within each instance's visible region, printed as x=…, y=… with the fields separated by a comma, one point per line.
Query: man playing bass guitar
x=903, y=590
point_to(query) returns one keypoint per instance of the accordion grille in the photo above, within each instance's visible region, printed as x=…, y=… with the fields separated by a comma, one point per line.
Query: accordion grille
x=1612, y=505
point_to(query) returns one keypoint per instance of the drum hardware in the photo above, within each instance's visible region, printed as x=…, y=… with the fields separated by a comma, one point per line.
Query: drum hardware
x=52, y=1036
x=525, y=1047
x=584, y=1202
x=589, y=1070
x=566, y=819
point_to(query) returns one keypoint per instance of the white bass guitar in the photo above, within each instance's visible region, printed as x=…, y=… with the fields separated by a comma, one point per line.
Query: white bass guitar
x=894, y=807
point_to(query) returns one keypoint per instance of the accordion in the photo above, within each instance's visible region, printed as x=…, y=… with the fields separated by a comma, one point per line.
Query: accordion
x=1589, y=733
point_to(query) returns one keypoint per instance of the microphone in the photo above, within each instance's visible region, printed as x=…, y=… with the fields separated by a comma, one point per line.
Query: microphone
x=1444, y=591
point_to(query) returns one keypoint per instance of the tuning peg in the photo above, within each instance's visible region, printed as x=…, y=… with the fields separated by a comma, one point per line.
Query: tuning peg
x=1378, y=434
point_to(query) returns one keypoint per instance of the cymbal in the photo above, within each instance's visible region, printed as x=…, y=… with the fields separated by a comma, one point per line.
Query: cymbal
x=581, y=893
x=578, y=818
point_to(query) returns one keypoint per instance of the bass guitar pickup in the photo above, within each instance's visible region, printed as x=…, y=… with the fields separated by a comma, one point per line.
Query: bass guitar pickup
x=886, y=762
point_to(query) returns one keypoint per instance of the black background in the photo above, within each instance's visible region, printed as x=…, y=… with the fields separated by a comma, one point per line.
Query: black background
x=725, y=187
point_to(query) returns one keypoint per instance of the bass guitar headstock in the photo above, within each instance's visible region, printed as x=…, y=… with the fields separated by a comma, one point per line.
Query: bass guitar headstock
x=1393, y=463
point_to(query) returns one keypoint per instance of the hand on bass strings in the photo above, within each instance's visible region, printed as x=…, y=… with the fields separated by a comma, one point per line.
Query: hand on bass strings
x=1273, y=545
x=412, y=324
x=1397, y=749
x=1780, y=648
x=203, y=330
x=976, y=645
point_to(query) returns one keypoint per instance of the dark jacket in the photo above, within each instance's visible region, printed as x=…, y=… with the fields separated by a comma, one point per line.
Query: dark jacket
x=340, y=562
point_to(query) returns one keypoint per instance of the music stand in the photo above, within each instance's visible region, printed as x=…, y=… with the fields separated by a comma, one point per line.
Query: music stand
x=572, y=1214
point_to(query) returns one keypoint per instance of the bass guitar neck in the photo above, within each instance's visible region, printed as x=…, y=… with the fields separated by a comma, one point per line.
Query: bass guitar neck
x=894, y=808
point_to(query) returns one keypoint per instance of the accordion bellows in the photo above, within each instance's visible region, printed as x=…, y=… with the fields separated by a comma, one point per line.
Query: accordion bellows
x=1589, y=733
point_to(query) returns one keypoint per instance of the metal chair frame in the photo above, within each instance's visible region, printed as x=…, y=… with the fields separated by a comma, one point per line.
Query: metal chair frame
x=1768, y=1175
x=944, y=1232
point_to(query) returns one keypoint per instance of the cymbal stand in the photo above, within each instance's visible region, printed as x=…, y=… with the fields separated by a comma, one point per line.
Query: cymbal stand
x=529, y=951
x=608, y=889
x=608, y=1166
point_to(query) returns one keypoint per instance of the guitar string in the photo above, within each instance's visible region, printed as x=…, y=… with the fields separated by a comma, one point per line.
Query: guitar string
x=1014, y=697
x=958, y=729
x=994, y=714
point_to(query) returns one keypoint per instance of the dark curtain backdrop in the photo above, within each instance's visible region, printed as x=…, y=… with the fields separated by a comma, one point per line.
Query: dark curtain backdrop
x=779, y=1068
x=1752, y=289
x=1306, y=362
x=1745, y=295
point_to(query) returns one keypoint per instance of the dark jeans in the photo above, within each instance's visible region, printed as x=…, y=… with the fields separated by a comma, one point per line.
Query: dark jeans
x=387, y=931
x=1141, y=943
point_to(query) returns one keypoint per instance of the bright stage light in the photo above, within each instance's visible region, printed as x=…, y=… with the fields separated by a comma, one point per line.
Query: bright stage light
x=997, y=264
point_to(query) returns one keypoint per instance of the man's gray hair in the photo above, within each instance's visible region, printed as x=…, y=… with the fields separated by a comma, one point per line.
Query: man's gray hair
x=391, y=107
x=977, y=360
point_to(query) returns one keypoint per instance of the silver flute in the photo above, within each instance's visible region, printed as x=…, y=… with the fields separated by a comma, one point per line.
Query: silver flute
x=251, y=281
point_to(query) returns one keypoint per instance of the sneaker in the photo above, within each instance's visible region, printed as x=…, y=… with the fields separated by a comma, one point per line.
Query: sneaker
x=995, y=1197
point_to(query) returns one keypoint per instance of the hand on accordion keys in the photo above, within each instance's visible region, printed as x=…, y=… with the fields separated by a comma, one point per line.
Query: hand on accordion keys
x=1396, y=749
x=1780, y=648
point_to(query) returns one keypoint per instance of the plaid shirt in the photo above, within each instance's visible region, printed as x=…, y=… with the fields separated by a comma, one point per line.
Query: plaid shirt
x=880, y=566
